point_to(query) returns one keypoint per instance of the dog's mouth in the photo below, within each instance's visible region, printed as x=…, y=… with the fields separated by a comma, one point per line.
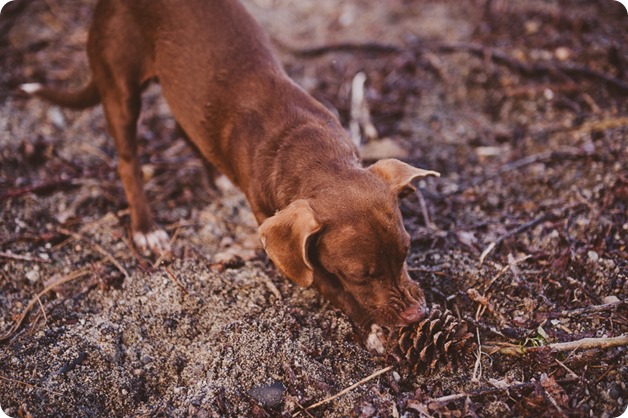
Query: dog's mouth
x=392, y=314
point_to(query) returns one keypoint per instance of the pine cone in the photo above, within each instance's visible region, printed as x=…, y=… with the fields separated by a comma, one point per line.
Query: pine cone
x=439, y=340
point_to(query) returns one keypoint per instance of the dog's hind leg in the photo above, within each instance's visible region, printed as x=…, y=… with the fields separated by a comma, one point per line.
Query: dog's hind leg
x=117, y=57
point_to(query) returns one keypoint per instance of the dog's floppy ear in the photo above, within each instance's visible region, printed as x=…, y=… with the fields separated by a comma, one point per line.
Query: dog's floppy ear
x=285, y=238
x=399, y=175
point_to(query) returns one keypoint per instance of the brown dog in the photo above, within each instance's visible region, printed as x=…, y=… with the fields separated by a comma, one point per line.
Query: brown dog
x=324, y=220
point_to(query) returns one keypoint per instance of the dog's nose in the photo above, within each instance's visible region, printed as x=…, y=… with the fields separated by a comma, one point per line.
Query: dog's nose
x=414, y=313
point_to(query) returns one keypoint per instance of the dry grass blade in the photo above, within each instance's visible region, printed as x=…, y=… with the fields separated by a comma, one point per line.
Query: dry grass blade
x=176, y=281
x=488, y=391
x=19, y=382
x=68, y=278
x=20, y=257
x=346, y=390
x=98, y=248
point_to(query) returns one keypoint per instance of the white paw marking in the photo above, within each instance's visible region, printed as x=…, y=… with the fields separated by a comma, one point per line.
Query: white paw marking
x=156, y=241
x=30, y=88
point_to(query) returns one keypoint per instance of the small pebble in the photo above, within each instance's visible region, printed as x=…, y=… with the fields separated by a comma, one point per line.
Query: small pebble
x=532, y=26
x=593, y=256
x=562, y=53
x=269, y=396
x=32, y=276
x=56, y=117
x=610, y=299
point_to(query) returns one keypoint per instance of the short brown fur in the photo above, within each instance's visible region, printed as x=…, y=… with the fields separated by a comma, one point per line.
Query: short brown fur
x=324, y=220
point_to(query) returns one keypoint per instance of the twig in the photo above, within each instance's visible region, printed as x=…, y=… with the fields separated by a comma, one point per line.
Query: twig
x=509, y=234
x=477, y=369
x=301, y=407
x=43, y=311
x=488, y=391
x=23, y=257
x=602, y=125
x=38, y=188
x=548, y=396
x=592, y=309
x=426, y=214
x=271, y=286
x=505, y=269
x=166, y=254
x=538, y=68
x=98, y=248
x=176, y=281
x=368, y=47
x=344, y=391
x=561, y=364
x=583, y=344
x=360, y=115
x=19, y=382
x=68, y=278
x=111, y=258
x=525, y=68
x=560, y=155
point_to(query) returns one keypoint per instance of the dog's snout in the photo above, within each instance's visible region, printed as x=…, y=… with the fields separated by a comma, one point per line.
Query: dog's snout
x=414, y=313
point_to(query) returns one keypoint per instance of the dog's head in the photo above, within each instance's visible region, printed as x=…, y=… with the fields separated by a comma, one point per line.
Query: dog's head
x=350, y=243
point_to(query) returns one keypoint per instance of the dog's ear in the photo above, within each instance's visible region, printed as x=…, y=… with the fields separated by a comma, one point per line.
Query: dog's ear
x=285, y=238
x=399, y=175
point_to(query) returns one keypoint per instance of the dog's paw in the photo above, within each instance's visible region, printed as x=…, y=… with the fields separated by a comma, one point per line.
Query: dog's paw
x=156, y=241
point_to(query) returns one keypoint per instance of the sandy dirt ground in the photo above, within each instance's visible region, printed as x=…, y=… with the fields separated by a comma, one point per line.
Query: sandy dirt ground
x=520, y=105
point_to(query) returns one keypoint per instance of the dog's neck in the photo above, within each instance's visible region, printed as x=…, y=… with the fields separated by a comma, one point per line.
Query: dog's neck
x=300, y=148
x=313, y=158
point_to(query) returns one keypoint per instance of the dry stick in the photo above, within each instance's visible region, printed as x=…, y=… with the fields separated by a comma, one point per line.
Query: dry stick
x=528, y=69
x=488, y=391
x=586, y=127
x=471, y=48
x=509, y=234
x=505, y=269
x=477, y=369
x=176, y=281
x=23, y=257
x=594, y=308
x=111, y=258
x=548, y=396
x=68, y=278
x=344, y=391
x=426, y=214
x=564, y=366
x=19, y=382
x=522, y=228
x=36, y=188
x=360, y=115
x=98, y=248
x=166, y=253
x=301, y=407
x=520, y=163
x=583, y=344
x=369, y=47
x=43, y=311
